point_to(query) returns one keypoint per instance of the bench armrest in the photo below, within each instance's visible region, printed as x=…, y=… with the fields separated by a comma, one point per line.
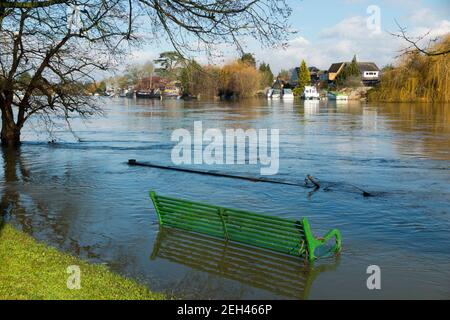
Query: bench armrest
x=338, y=240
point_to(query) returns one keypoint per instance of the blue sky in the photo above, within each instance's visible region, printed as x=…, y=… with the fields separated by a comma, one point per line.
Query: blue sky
x=334, y=30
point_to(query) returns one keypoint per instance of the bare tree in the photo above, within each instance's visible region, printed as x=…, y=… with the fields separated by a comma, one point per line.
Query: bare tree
x=48, y=48
x=414, y=43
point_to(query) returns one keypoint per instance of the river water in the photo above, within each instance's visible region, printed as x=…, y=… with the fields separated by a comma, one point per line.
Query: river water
x=83, y=198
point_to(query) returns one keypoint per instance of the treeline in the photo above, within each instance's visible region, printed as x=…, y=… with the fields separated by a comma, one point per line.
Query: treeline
x=236, y=79
x=417, y=77
x=240, y=78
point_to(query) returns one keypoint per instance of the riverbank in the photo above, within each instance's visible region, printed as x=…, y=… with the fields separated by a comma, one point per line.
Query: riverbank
x=356, y=93
x=32, y=270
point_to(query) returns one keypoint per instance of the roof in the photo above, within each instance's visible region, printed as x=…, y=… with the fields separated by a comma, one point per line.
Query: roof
x=335, y=67
x=367, y=66
x=363, y=66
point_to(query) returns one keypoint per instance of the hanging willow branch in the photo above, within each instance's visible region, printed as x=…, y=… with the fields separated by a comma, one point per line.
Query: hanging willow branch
x=414, y=43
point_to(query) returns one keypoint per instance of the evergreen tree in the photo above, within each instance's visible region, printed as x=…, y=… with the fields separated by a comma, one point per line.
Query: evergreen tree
x=353, y=68
x=350, y=75
x=304, y=79
x=266, y=75
x=170, y=63
x=249, y=59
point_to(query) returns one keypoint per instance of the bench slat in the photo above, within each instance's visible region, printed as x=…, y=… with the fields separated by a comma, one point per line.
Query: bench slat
x=290, y=226
x=266, y=230
x=246, y=213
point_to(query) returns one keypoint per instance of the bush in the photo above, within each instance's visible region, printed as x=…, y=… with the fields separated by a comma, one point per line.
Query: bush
x=239, y=80
x=297, y=91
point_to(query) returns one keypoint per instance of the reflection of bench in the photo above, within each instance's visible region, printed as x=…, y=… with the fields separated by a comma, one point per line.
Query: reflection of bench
x=277, y=273
x=268, y=232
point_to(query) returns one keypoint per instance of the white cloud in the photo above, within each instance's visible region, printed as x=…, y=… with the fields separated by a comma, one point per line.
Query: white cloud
x=141, y=56
x=423, y=15
x=354, y=27
x=335, y=43
x=346, y=38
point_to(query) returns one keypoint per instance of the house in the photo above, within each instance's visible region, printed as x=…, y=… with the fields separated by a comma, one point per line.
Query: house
x=314, y=74
x=370, y=73
x=278, y=84
x=313, y=71
x=334, y=70
x=323, y=75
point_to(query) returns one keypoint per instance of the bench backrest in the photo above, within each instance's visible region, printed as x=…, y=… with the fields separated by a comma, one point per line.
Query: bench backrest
x=274, y=233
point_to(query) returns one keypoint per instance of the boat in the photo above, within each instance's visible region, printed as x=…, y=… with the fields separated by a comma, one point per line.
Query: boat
x=150, y=94
x=274, y=94
x=171, y=93
x=332, y=95
x=123, y=93
x=287, y=94
x=310, y=93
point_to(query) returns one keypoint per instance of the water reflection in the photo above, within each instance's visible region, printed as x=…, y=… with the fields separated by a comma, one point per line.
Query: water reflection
x=82, y=198
x=32, y=210
x=427, y=126
x=15, y=173
x=311, y=107
x=282, y=275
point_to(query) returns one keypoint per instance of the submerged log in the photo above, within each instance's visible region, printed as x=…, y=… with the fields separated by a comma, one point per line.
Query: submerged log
x=310, y=178
x=314, y=181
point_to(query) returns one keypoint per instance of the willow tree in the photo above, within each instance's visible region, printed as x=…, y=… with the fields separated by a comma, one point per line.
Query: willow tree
x=61, y=44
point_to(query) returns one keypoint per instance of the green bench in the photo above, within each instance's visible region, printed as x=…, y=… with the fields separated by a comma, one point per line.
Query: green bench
x=293, y=237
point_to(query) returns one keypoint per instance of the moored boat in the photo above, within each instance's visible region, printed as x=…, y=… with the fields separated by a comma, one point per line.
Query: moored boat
x=310, y=93
x=287, y=94
x=150, y=94
x=171, y=93
x=274, y=94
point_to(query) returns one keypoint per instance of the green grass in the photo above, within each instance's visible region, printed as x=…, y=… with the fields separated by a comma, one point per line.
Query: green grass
x=32, y=270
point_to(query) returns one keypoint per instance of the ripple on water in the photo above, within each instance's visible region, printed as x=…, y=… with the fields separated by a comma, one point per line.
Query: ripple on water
x=83, y=198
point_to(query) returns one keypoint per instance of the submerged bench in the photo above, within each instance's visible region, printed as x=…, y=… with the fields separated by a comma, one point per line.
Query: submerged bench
x=293, y=237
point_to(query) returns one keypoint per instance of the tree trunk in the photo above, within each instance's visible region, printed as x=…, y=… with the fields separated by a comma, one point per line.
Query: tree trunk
x=10, y=135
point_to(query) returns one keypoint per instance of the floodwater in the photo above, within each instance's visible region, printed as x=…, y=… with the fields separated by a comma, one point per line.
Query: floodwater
x=83, y=198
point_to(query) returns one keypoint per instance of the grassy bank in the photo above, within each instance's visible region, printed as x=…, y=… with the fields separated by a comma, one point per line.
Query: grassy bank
x=31, y=270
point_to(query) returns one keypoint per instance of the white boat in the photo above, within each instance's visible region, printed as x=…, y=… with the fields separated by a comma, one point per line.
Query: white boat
x=276, y=94
x=287, y=94
x=123, y=93
x=310, y=93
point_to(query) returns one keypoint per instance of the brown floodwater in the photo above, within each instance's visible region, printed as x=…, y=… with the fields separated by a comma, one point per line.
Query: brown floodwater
x=82, y=197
